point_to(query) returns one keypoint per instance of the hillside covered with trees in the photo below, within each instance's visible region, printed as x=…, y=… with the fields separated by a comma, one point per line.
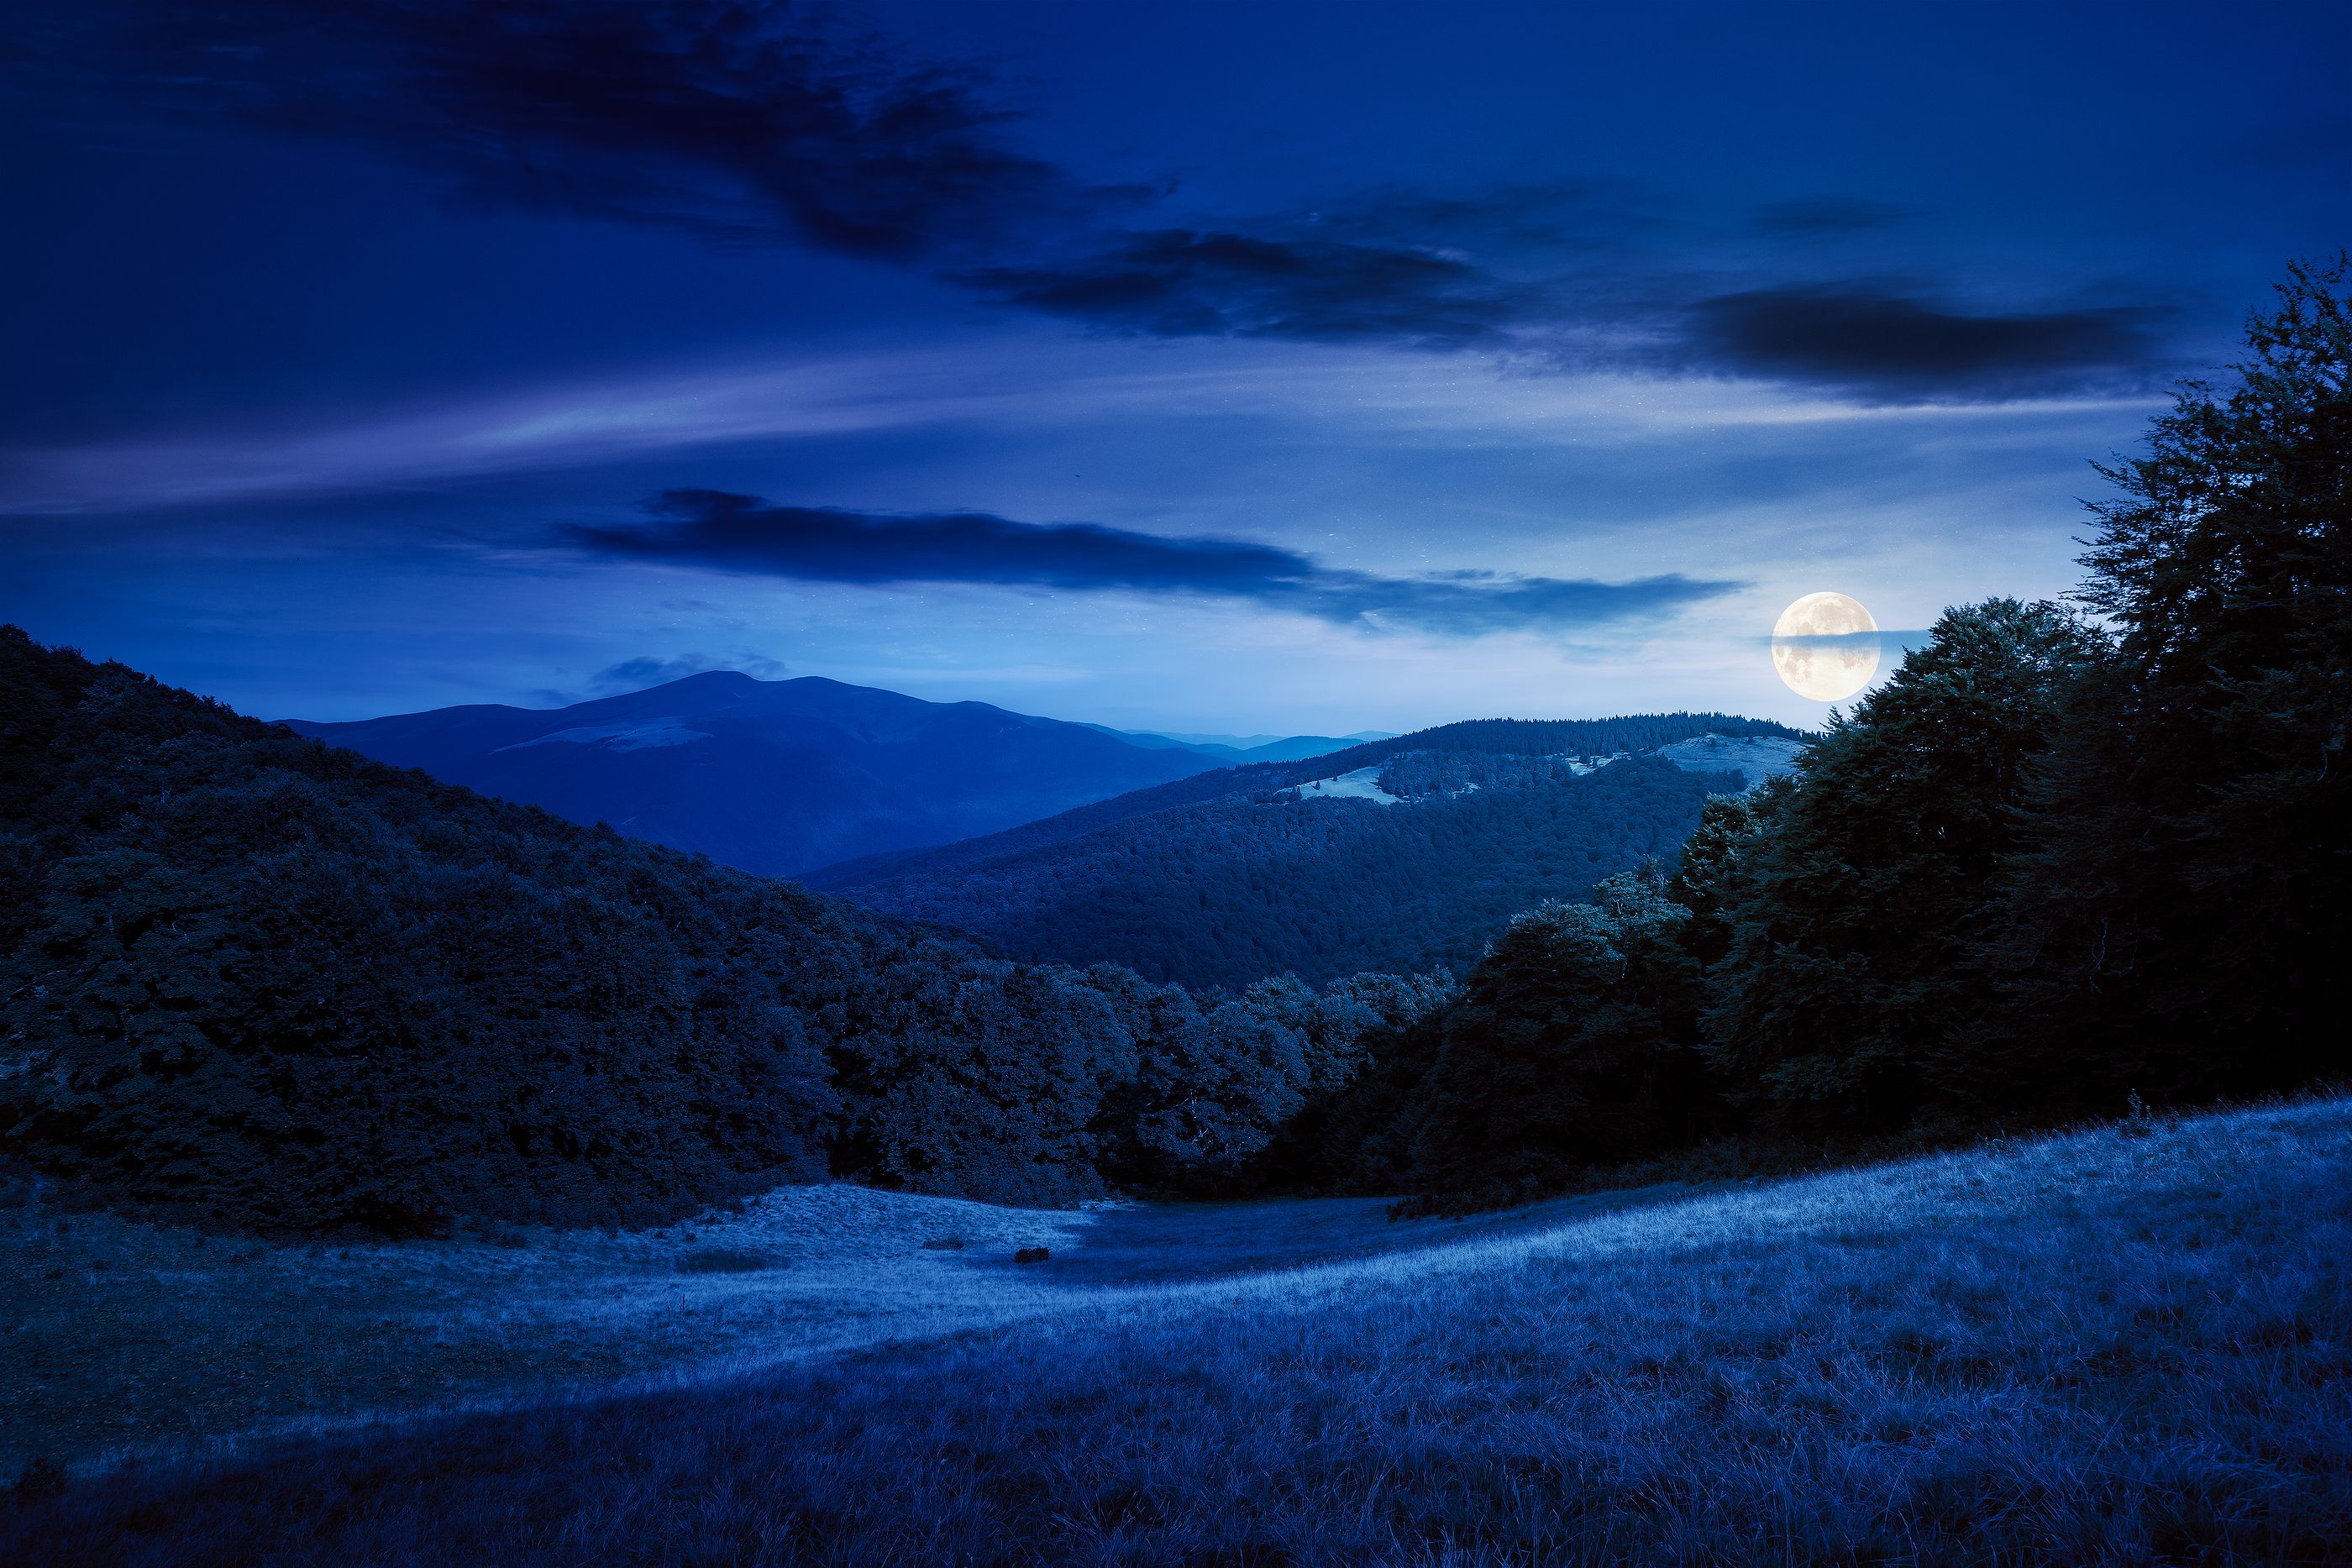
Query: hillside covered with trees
x=289, y=987
x=2066, y=861
x=1504, y=736
x=1485, y=820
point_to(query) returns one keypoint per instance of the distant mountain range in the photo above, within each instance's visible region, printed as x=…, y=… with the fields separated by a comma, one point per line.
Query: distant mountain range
x=782, y=776
x=1208, y=859
x=1404, y=854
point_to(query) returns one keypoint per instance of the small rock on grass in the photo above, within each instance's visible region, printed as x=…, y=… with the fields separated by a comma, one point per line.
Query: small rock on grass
x=1033, y=1255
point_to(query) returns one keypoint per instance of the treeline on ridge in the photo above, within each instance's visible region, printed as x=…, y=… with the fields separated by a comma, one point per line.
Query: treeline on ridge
x=1265, y=883
x=1506, y=736
x=2060, y=862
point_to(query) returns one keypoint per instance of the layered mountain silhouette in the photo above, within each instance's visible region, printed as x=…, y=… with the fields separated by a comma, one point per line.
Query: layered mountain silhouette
x=774, y=777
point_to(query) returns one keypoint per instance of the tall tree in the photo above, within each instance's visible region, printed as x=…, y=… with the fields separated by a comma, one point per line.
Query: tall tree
x=1850, y=993
x=1703, y=871
x=1572, y=1045
x=2181, y=925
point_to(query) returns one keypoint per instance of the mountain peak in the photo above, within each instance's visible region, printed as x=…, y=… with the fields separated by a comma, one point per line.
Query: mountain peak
x=773, y=776
x=719, y=678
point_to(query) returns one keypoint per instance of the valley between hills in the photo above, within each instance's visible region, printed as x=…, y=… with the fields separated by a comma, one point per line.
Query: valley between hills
x=913, y=784
x=1670, y=1138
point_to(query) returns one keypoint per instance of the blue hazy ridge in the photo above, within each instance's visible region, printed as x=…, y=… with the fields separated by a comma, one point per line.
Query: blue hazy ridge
x=772, y=776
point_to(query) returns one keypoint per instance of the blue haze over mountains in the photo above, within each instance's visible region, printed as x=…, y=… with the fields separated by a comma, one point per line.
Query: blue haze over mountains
x=1241, y=749
x=779, y=778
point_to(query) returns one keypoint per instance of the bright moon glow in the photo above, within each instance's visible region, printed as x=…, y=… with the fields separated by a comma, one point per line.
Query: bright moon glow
x=1826, y=672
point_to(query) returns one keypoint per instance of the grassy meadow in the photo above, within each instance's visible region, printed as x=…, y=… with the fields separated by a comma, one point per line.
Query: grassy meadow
x=2126, y=1344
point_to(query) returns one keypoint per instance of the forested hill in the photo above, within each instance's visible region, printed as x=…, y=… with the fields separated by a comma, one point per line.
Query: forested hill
x=1407, y=856
x=1556, y=738
x=294, y=988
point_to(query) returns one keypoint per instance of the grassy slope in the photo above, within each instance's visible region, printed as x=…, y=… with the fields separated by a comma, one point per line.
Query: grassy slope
x=2129, y=1344
x=131, y=1337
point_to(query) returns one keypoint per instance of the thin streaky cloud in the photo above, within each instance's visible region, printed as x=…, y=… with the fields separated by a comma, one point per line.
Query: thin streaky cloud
x=1472, y=398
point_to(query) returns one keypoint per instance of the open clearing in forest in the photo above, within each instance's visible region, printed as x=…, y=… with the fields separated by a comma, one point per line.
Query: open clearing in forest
x=130, y=1339
x=2128, y=1344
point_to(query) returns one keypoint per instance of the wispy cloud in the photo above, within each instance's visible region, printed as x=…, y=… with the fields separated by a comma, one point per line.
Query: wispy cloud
x=593, y=421
x=1477, y=398
x=747, y=123
x=744, y=534
x=652, y=670
x=1188, y=283
x=636, y=674
x=738, y=121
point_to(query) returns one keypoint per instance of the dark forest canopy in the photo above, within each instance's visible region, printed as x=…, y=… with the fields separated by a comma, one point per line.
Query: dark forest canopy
x=2065, y=859
x=1224, y=892
x=2187, y=879
x=2058, y=864
x=295, y=988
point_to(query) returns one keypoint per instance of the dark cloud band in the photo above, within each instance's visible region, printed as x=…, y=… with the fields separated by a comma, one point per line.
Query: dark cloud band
x=748, y=122
x=743, y=534
x=740, y=121
x=1893, y=345
x=1180, y=283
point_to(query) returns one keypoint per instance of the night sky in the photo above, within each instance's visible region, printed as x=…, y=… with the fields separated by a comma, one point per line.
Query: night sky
x=1275, y=366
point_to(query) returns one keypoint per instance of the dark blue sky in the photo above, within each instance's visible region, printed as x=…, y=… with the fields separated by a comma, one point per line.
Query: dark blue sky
x=1263, y=367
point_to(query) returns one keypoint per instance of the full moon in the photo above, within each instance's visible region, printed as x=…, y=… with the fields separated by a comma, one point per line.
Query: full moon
x=1824, y=671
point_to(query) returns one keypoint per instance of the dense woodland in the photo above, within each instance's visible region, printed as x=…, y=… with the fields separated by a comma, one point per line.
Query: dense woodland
x=1511, y=738
x=283, y=986
x=2067, y=859
x=2066, y=856
x=1264, y=882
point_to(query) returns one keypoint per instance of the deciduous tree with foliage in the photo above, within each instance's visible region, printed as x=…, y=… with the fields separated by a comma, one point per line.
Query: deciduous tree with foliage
x=2182, y=924
x=1704, y=873
x=1850, y=992
x=1572, y=1045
